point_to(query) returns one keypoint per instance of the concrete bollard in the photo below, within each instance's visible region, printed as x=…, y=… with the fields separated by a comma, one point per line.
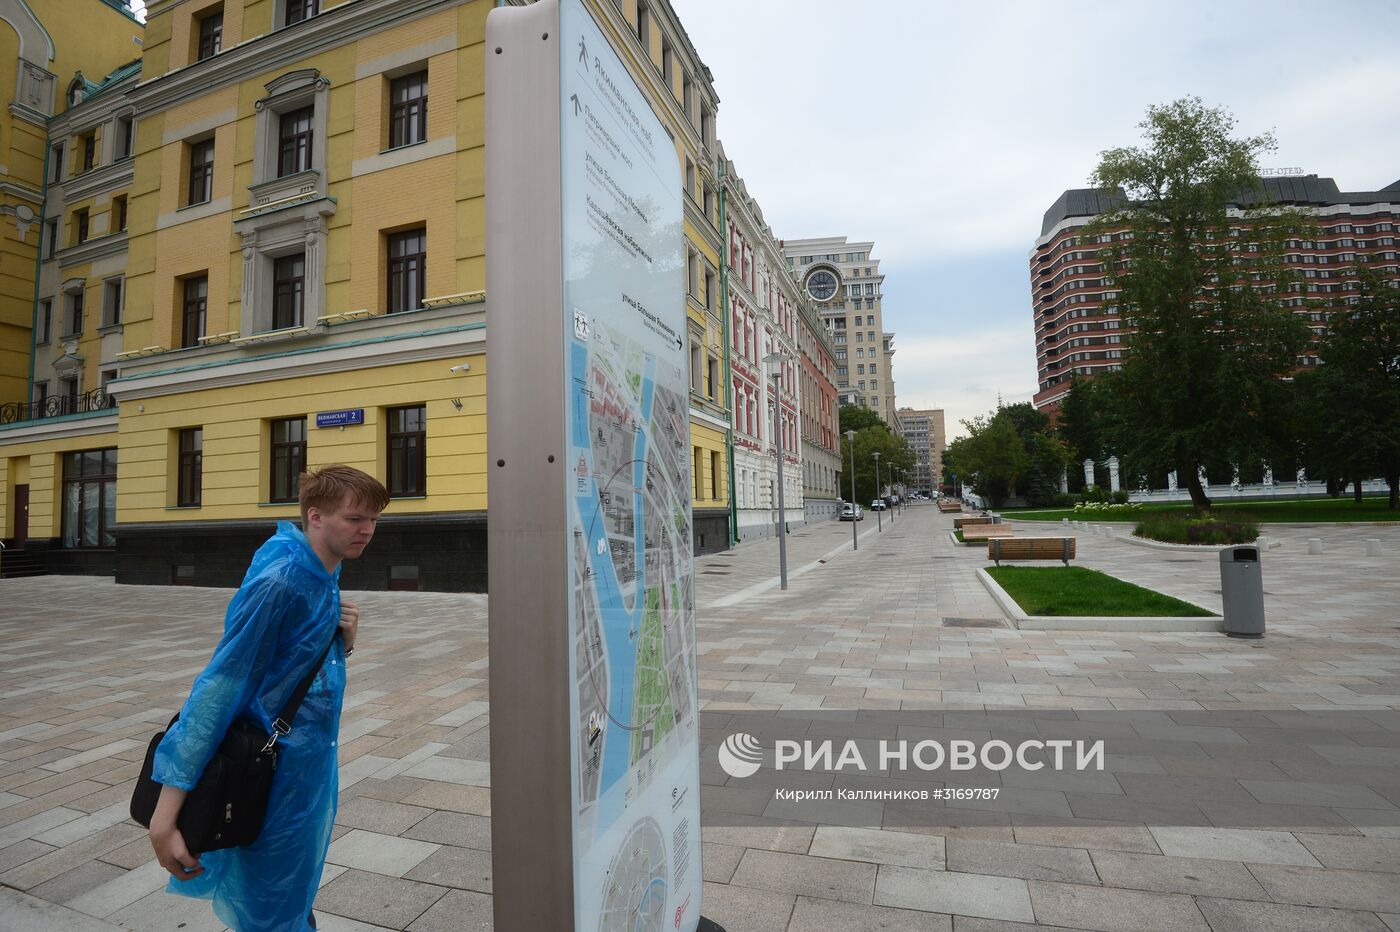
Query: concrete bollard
x=1314, y=546
x=1373, y=547
x=1064, y=520
x=1263, y=544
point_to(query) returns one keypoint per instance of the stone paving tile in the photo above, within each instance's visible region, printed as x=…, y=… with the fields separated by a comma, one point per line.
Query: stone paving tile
x=434, y=795
x=25, y=913
x=376, y=815
x=1240, y=916
x=76, y=881
x=720, y=861
x=1029, y=862
x=382, y=854
x=40, y=869
x=905, y=849
x=453, y=828
x=979, y=895
x=159, y=912
x=1195, y=876
x=972, y=924
x=1088, y=836
x=461, y=868
x=742, y=909
x=1111, y=910
x=121, y=891
x=1342, y=889
x=1367, y=854
x=827, y=878
x=458, y=911
x=816, y=915
x=1226, y=844
x=377, y=898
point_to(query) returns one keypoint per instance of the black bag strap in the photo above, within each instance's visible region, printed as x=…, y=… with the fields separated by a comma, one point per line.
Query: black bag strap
x=283, y=723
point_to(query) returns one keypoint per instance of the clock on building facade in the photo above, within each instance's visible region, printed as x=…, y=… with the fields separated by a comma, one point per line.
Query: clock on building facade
x=821, y=284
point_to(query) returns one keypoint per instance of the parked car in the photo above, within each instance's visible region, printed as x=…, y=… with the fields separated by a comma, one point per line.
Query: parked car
x=877, y=505
x=851, y=512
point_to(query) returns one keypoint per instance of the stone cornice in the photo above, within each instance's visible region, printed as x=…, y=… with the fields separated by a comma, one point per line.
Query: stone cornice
x=97, y=248
x=58, y=428
x=22, y=191
x=349, y=347
x=110, y=177
x=337, y=26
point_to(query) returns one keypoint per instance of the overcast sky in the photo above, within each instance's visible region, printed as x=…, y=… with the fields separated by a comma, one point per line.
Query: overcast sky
x=943, y=131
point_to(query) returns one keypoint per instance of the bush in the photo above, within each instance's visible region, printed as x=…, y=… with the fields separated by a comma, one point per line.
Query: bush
x=1106, y=508
x=1205, y=529
x=1120, y=497
x=1063, y=500
x=1093, y=493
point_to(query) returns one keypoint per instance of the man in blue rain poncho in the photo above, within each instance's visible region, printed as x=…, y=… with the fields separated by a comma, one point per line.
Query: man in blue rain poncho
x=278, y=625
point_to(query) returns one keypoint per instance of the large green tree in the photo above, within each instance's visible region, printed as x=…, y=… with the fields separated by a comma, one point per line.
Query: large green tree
x=872, y=436
x=990, y=459
x=1208, y=333
x=1353, y=398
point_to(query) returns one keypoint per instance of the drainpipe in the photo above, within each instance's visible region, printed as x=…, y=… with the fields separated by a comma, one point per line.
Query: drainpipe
x=38, y=267
x=728, y=370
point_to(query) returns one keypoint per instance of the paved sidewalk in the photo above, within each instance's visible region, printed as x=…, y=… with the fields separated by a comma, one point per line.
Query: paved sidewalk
x=88, y=670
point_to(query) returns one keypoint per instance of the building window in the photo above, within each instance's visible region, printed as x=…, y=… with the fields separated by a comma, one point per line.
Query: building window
x=713, y=374
x=408, y=264
x=298, y=10
x=90, y=498
x=644, y=27
x=74, y=324
x=112, y=292
x=119, y=211
x=710, y=290
x=43, y=326
x=196, y=308
x=714, y=475
x=408, y=442
x=80, y=225
x=408, y=109
x=288, y=458
x=191, y=467
x=211, y=34
x=699, y=477
x=89, y=143
x=288, y=291
x=294, y=142
x=56, y=164
x=125, y=137
x=50, y=238
x=201, y=187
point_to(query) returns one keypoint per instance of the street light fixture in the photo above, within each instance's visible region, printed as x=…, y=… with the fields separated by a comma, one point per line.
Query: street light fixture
x=855, y=507
x=776, y=360
x=879, y=512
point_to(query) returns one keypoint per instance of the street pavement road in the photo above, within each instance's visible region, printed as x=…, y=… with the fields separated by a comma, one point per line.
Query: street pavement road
x=1310, y=838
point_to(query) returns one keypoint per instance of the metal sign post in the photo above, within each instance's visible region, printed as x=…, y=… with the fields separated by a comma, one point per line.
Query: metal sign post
x=595, y=792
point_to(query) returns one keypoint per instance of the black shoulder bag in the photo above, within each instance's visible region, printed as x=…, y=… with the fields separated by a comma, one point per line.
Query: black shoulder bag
x=227, y=806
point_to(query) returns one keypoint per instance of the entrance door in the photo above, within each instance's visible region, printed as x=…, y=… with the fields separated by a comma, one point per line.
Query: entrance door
x=21, y=516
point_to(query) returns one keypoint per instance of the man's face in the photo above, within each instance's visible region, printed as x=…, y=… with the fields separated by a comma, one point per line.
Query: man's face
x=344, y=532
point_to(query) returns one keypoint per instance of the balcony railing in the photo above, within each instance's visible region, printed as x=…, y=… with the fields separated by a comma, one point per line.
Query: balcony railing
x=56, y=406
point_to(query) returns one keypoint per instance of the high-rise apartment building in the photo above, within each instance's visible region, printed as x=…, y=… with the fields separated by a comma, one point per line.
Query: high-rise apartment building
x=844, y=282
x=1078, y=328
x=927, y=437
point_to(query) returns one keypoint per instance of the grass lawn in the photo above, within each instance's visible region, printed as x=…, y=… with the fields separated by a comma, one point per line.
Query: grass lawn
x=958, y=534
x=1074, y=590
x=1276, y=511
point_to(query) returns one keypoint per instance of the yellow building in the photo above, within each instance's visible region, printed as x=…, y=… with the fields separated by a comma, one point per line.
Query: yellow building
x=302, y=281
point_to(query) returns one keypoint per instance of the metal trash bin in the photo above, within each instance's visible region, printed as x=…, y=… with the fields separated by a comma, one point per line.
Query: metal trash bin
x=1242, y=591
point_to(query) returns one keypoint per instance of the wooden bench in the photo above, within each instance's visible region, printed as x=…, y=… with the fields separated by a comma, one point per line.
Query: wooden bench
x=965, y=520
x=986, y=531
x=1030, y=548
x=946, y=506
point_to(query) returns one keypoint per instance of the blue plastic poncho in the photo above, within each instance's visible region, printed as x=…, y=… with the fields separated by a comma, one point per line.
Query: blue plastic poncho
x=276, y=627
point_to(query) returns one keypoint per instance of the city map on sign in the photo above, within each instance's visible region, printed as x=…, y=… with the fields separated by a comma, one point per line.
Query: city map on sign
x=634, y=593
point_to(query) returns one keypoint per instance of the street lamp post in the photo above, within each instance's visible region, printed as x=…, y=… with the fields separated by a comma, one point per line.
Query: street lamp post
x=855, y=508
x=894, y=490
x=776, y=360
x=879, y=512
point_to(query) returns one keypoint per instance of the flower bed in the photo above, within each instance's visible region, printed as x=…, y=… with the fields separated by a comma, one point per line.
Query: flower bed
x=1206, y=529
x=1096, y=509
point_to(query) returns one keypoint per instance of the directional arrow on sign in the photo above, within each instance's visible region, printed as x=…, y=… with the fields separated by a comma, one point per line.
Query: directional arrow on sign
x=679, y=343
x=574, y=98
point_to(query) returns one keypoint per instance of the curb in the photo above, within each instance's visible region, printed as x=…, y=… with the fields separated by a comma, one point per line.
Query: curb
x=1119, y=623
